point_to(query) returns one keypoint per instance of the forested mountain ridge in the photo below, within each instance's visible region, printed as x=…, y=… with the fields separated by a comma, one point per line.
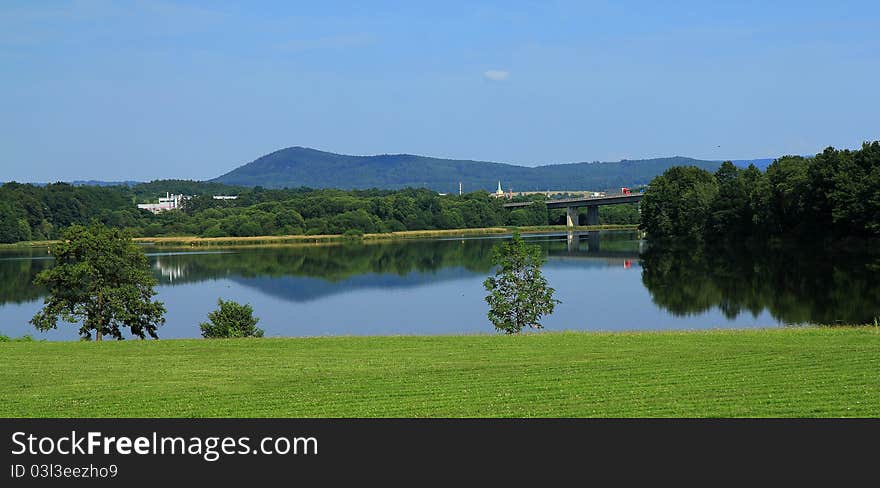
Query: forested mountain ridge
x=294, y=167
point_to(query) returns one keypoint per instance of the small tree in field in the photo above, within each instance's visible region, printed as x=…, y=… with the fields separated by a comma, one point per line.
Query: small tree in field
x=231, y=320
x=100, y=278
x=518, y=293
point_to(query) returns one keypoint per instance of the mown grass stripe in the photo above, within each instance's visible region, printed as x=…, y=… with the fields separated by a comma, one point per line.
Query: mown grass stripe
x=773, y=372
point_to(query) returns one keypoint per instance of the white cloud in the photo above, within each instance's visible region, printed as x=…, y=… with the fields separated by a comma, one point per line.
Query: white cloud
x=496, y=74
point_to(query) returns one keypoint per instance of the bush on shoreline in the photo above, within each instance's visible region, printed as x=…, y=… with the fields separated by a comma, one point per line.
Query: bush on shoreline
x=230, y=320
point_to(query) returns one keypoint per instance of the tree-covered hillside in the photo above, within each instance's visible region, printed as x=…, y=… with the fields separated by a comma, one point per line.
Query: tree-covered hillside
x=298, y=166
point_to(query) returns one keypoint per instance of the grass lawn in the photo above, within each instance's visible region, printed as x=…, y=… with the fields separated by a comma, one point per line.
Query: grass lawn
x=777, y=372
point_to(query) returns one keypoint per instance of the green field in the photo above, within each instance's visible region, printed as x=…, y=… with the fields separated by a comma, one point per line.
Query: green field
x=778, y=372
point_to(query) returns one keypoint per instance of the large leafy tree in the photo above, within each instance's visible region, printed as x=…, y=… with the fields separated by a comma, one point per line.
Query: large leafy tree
x=855, y=199
x=13, y=228
x=678, y=203
x=518, y=293
x=729, y=211
x=100, y=279
x=789, y=184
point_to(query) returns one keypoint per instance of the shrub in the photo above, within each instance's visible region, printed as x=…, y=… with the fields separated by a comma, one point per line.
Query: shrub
x=231, y=319
x=214, y=231
x=24, y=338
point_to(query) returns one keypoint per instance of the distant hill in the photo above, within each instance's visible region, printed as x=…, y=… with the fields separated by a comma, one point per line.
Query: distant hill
x=760, y=163
x=300, y=166
x=103, y=183
x=91, y=183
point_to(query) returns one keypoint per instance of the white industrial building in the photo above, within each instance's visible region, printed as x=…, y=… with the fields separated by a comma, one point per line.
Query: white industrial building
x=168, y=202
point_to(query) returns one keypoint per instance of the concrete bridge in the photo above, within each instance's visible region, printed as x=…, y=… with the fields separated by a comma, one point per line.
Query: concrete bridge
x=592, y=203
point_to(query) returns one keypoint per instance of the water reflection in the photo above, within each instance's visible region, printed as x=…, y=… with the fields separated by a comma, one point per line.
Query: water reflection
x=17, y=271
x=589, y=244
x=796, y=283
x=331, y=268
x=309, y=273
x=607, y=280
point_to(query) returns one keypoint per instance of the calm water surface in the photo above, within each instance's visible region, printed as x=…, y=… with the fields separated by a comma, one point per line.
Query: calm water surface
x=606, y=281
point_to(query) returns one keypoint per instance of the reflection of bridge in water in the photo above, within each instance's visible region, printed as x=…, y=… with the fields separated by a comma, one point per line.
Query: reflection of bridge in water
x=574, y=245
x=586, y=245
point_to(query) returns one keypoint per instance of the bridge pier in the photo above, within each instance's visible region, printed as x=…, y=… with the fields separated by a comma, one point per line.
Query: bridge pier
x=593, y=215
x=573, y=242
x=571, y=216
x=593, y=241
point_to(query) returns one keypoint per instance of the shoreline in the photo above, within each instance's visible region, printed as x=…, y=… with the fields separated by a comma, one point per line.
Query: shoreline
x=194, y=241
x=4, y=339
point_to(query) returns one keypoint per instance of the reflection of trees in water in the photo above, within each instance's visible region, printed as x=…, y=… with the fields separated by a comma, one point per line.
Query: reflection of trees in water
x=333, y=263
x=17, y=272
x=795, y=284
x=339, y=262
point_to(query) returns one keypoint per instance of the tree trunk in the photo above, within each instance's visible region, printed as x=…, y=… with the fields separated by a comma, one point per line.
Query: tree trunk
x=99, y=323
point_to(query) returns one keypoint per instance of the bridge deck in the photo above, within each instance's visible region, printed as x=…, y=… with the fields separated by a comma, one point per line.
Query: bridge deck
x=584, y=202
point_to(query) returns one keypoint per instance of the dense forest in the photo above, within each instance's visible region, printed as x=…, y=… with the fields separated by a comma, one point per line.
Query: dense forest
x=301, y=166
x=30, y=212
x=833, y=195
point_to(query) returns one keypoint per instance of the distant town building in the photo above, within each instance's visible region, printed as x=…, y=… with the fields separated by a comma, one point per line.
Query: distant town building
x=168, y=202
x=225, y=197
x=499, y=193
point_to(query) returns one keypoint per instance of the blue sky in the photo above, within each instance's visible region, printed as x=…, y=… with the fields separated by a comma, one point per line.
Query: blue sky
x=160, y=89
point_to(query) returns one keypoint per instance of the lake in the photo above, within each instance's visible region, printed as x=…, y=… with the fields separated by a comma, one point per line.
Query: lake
x=605, y=280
